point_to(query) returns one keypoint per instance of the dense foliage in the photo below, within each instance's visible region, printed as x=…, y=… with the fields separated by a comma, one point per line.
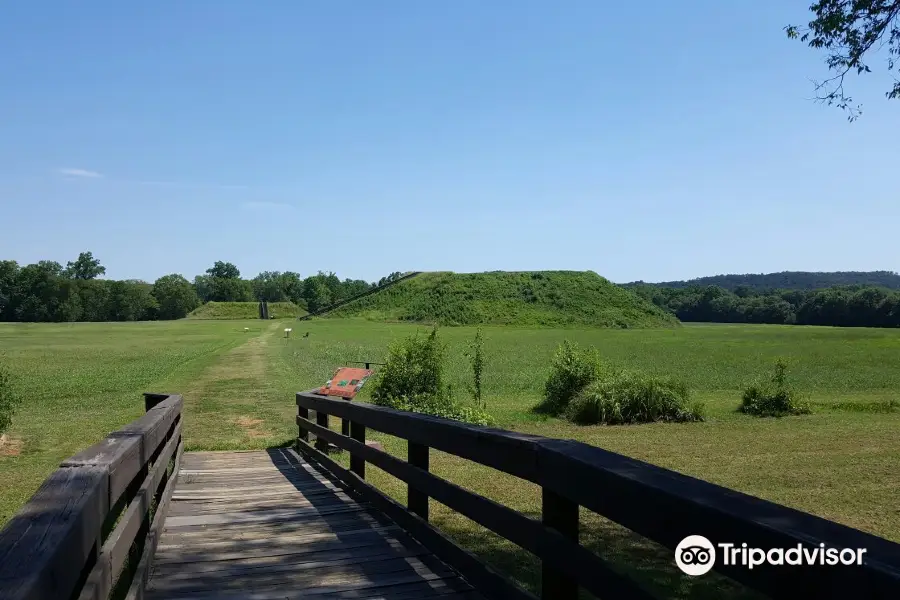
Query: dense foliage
x=571, y=369
x=545, y=298
x=581, y=388
x=850, y=306
x=619, y=398
x=412, y=380
x=773, y=397
x=847, y=31
x=46, y=291
x=786, y=280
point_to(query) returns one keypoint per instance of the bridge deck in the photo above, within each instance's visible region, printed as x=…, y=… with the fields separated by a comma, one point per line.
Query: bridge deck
x=266, y=525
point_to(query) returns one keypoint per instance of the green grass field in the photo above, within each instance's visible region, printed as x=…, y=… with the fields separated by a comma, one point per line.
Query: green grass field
x=80, y=381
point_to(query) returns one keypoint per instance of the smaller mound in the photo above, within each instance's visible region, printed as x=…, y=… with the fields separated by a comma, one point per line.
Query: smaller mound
x=539, y=298
x=245, y=310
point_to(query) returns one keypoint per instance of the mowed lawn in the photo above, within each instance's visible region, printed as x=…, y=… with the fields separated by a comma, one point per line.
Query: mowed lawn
x=81, y=381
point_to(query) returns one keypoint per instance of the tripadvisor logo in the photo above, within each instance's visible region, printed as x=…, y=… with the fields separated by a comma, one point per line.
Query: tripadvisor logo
x=696, y=555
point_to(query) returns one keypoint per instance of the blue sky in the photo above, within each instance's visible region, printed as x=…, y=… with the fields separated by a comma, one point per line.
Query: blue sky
x=654, y=140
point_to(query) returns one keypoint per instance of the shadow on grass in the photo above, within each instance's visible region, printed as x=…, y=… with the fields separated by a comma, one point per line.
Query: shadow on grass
x=647, y=563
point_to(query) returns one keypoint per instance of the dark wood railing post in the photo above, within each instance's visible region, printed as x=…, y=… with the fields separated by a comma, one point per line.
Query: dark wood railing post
x=345, y=427
x=417, y=501
x=322, y=420
x=562, y=515
x=358, y=463
x=303, y=413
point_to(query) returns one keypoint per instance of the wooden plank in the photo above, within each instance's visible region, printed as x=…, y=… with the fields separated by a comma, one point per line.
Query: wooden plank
x=267, y=516
x=181, y=555
x=154, y=426
x=357, y=462
x=125, y=452
x=115, y=549
x=300, y=502
x=477, y=572
x=286, y=562
x=120, y=457
x=142, y=573
x=553, y=548
x=560, y=514
x=510, y=452
x=310, y=524
x=416, y=499
x=321, y=421
x=343, y=591
x=299, y=578
x=254, y=538
x=44, y=546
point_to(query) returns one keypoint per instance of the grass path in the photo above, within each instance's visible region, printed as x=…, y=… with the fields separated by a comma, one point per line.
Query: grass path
x=230, y=403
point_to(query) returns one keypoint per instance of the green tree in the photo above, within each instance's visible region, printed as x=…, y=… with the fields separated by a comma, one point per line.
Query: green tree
x=132, y=300
x=84, y=267
x=269, y=286
x=9, y=271
x=223, y=270
x=95, y=298
x=317, y=296
x=847, y=31
x=175, y=296
x=37, y=291
x=292, y=286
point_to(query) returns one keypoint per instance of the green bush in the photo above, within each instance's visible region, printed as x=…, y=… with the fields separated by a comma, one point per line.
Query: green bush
x=572, y=369
x=774, y=397
x=8, y=400
x=412, y=380
x=623, y=397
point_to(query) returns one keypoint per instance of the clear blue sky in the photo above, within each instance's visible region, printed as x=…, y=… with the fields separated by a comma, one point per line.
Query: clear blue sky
x=650, y=140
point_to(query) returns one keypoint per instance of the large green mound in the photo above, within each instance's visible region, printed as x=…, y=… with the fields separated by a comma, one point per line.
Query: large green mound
x=552, y=298
x=245, y=310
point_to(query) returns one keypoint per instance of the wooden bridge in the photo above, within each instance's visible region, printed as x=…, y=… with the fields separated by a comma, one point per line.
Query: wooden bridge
x=136, y=517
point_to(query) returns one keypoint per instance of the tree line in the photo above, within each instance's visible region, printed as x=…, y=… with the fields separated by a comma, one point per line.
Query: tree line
x=842, y=306
x=788, y=280
x=47, y=291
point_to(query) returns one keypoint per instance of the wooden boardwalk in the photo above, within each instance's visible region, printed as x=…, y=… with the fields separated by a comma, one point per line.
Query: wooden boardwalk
x=266, y=525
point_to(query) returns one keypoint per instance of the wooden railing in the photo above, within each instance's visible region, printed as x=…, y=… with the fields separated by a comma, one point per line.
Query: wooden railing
x=90, y=521
x=658, y=504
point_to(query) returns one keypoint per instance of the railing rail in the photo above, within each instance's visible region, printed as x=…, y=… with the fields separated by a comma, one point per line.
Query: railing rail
x=659, y=504
x=84, y=524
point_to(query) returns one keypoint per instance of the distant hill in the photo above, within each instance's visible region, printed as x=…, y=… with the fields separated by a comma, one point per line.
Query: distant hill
x=245, y=310
x=547, y=298
x=788, y=280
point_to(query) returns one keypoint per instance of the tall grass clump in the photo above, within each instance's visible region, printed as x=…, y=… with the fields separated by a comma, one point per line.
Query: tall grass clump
x=8, y=400
x=585, y=391
x=625, y=397
x=774, y=397
x=571, y=369
x=412, y=380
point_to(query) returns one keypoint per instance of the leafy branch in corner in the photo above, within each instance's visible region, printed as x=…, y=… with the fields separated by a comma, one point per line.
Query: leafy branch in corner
x=848, y=30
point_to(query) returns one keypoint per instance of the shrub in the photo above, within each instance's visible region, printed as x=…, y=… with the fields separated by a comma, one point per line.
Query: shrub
x=476, y=356
x=572, y=369
x=412, y=380
x=623, y=397
x=413, y=370
x=774, y=397
x=8, y=400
